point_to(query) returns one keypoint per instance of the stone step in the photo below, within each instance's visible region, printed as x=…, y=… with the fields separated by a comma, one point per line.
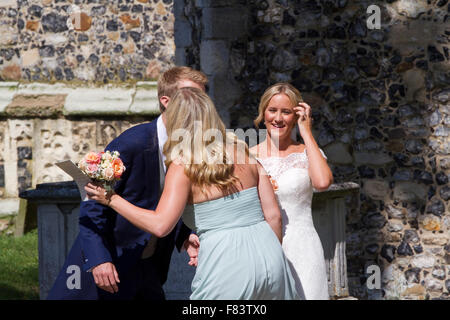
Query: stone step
x=49, y=100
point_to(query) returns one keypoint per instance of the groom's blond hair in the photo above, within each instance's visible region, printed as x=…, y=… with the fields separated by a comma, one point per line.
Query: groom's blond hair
x=168, y=81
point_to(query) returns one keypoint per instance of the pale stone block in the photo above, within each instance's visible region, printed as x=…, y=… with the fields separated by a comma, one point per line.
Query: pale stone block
x=395, y=282
x=20, y=129
x=433, y=285
x=394, y=226
x=424, y=260
x=106, y=100
x=36, y=88
x=435, y=239
x=18, y=133
x=55, y=39
x=53, y=142
x=9, y=35
x=7, y=92
x=411, y=9
x=83, y=135
x=2, y=143
x=9, y=206
x=8, y=4
x=30, y=57
x=106, y=131
x=146, y=99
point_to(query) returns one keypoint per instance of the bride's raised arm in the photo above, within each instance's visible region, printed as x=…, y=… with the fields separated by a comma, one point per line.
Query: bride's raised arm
x=161, y=221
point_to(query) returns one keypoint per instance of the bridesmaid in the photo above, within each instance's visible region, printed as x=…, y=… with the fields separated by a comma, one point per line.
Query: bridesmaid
x=295, y=169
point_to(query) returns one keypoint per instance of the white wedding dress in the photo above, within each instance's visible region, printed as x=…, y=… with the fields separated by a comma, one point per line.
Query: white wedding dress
x=301, y=243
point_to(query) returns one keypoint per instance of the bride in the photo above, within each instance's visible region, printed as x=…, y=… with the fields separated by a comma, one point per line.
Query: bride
x=294, y=170
x=234, y=212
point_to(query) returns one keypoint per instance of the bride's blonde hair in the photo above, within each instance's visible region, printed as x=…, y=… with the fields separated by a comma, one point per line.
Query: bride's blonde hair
x=282, y=87
x=191, y=114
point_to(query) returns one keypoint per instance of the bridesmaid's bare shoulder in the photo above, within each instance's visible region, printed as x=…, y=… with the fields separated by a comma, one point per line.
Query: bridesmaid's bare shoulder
x=256, y=150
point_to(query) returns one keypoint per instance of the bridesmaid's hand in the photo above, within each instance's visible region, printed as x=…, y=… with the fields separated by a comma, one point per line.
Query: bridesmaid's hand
x=303, y=111
x=98, y=193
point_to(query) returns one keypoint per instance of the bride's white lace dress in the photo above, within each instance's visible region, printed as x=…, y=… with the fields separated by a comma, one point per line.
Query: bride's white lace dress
x=301, y=243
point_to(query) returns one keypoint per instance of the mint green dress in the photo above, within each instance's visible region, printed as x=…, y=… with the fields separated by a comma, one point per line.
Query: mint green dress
x=240, y=257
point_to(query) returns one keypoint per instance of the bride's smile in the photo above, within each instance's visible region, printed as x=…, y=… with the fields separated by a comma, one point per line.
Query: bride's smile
x=279, y=116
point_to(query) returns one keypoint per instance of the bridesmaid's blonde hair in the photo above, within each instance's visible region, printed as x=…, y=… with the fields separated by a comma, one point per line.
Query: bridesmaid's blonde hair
x=282, y=87
x=191, y=114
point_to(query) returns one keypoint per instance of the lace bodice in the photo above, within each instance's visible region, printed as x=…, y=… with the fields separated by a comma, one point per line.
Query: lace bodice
x=276, y=166
x=292, y=186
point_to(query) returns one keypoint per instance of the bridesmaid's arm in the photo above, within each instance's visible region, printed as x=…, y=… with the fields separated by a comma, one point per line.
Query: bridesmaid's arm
x=269, y=202
x=161, y=221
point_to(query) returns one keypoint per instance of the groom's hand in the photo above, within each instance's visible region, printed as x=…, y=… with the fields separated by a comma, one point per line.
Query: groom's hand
x=106, y=277
x=192, y=245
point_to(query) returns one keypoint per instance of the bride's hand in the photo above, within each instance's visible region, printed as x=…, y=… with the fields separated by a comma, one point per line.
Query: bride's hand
x=303, y=111
x=98, y=193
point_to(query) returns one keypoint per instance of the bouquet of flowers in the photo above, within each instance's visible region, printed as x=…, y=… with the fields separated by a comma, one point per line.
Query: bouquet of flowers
x=104, y=167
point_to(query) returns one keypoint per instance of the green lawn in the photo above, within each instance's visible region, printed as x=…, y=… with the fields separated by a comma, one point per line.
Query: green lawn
x=19, y=267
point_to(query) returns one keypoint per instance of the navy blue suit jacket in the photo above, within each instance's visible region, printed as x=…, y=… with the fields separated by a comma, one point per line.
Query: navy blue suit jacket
x=106, y=236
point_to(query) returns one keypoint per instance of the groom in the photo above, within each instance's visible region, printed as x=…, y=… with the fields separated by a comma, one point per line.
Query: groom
x=118, y=260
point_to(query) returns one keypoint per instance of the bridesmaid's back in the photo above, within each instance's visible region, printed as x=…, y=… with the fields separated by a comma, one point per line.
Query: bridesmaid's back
x=245, y=170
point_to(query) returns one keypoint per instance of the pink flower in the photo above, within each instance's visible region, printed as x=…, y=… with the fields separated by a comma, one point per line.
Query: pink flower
x=108, y=173
x=92, y=157
x=91, y=169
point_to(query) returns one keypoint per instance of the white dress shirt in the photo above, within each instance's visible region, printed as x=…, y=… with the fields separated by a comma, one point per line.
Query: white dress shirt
x=162, y=138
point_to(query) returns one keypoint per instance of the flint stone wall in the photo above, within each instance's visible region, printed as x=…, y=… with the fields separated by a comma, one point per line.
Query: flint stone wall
x=381, y=108
x=85, y=40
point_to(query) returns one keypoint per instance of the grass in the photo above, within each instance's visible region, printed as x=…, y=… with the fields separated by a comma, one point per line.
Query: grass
x=19, y=267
